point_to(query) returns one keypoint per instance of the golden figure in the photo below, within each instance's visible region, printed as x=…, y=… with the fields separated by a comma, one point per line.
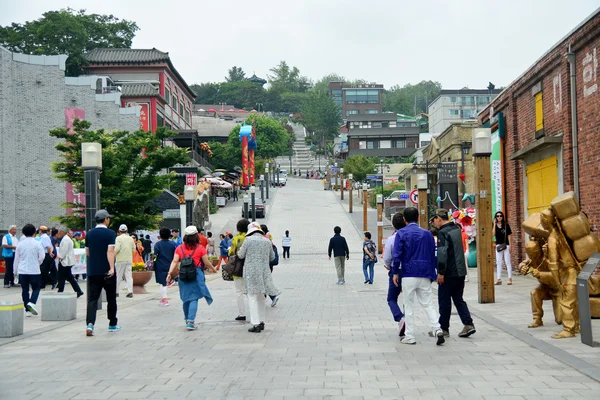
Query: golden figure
x=547, y=289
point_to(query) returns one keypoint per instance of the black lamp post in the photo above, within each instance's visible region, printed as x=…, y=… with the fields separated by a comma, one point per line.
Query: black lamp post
x=465, y=149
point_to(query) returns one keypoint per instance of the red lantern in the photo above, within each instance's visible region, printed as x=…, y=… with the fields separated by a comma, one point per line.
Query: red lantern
x=461, y=177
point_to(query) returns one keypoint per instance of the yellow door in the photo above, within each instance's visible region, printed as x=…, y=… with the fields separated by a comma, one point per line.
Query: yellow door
x=542, y=184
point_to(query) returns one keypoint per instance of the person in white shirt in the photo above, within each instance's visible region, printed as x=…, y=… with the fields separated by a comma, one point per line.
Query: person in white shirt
x=286, y=243
x=28, y=257
x=66, y=252
x=9, y=244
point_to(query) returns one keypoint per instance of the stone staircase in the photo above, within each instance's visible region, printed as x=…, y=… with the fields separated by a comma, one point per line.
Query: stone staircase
x=302, y=157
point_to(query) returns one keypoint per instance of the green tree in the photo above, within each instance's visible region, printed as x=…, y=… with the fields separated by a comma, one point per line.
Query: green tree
x=288, y=79
x=235, y=74
x=322, y=85
x=411, y=99
x=321, y=116
x=206, y=93
x=68, y=32
x=242, y=94
x=132, y=172
x=359, y=166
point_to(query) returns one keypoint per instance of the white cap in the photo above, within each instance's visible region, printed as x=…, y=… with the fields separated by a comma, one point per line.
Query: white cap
x=190, y=230
x=123, y=228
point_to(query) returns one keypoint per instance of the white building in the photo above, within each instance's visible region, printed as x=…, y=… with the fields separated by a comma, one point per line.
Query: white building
x=458, y=106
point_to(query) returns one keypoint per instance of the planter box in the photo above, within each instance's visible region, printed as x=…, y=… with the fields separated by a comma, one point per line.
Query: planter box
x=140, y=278
x=11, y=319
x=59, y=306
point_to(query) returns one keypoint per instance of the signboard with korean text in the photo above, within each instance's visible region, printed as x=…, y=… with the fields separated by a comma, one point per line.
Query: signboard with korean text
x=220, y=201
x=80, y=266
x=73, y=196
x=171, y=214
x=145, y=117
x=496, y=171
x=191, y=179
x=447, y=172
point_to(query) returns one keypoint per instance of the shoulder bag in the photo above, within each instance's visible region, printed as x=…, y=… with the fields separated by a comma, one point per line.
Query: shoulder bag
x=234, y=266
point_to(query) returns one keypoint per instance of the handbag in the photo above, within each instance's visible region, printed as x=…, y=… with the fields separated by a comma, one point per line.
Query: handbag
x=234, y=266
x=187, y=268
x=500, y=247
x=226, y=275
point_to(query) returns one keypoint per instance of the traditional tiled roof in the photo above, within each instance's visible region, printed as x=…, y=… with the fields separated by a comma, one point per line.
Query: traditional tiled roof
x=139, y=90
x=126, y=56
x=134, y=57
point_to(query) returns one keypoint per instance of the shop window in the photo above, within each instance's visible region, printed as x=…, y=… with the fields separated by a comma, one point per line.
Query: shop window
x=385, y=144
x=362, y=145
x=371, y=145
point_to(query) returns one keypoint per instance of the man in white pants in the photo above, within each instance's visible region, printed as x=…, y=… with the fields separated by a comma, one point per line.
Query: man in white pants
x=124, y=249
x=414, y=261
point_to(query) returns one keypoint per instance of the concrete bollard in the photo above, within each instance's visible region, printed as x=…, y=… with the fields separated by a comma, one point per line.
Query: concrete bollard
x=59, y=306
x=11, y=319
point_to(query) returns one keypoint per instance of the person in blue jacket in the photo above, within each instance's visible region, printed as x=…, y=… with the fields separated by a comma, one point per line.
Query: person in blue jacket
x=414, y=261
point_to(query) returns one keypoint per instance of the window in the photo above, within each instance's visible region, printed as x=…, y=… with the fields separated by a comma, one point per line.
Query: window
x=539, y=113
x=160, y=120
x=469, y=100
x=467, y=114
x=336, y=95
x=351, y=112
x=454, y=113
x=377, y=125
x=181, y=109
x=425, y=143
x=168, y=96
x=401, y=144
x=187, y=115
x=482, y=100
x=371, y=145
x=453, y=99
x=362, y=144
x=371, y=111
x=362, y=96
x=385, y=144
x=174, y=102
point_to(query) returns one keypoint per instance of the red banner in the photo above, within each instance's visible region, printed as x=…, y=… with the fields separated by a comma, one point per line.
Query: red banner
x=191, y=179
x=144, y=117
x=251, y=172
x=245, y=160
x=72, y=195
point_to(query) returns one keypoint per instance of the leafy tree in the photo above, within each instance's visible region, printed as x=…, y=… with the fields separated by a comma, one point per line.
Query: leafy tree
x=132, y=172
x=411, y=99
x=235, y=74
x=321, y=116
x=206, y=93
x=288, y=79
x=359, y=166
x=242, y=94
x=322, y=85
x=68, y=32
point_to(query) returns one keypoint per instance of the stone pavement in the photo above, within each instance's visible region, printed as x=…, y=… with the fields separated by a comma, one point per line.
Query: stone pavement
x=322, y=341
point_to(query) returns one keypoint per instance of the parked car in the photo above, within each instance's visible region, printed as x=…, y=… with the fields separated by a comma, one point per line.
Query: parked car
x=260, y=209
x=282, y=180
x=396, y=194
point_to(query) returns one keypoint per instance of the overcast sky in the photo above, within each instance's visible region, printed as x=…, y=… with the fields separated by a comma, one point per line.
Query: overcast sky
x=457, y=42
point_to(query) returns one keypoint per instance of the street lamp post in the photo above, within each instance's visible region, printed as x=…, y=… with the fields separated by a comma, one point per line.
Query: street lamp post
x=423, y=214
x=267, y=177
x=350, y=194
x=342, y=183
x=277, y=172
x=91, y=162
x=262, y=192
x=465, y=148
x=188, y=195
x=246, y=199
x=336, y=176
x=253, y=201
x=365, y=198
x=482, y=150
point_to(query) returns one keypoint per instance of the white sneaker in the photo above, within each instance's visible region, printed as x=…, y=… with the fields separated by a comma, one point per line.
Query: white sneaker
x=466, y=279
x=408, y=341
x=31, y=308
x=28, y=314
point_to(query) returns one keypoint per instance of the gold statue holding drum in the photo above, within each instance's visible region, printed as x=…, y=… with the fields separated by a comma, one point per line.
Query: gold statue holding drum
x=560, y=243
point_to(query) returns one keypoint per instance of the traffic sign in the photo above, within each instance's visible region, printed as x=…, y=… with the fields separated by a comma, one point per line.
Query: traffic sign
x=404, y=196
x=414, y=196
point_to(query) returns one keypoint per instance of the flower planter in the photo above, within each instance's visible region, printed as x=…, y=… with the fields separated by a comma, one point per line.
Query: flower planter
x=140, y=278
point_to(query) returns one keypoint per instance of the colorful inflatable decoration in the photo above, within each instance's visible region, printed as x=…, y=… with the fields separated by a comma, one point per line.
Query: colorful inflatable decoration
x=465, y=217
x=251, y=148
x=245, y=133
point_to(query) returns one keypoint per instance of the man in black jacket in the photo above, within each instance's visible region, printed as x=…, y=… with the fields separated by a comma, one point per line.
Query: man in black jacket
x=338, y=245
x=451, y=274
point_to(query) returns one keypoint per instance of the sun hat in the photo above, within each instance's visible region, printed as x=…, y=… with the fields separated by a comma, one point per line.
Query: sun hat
x=123, y=228
x=190, y=230
x=254, y=227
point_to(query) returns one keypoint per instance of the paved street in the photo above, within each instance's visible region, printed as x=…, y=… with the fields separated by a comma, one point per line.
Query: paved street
x=322, y=341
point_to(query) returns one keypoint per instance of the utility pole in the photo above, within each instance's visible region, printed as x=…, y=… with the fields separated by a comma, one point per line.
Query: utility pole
x=482, y=149
x=365, y=200
x=380, y=223
x=350, y=195
x=342, y=183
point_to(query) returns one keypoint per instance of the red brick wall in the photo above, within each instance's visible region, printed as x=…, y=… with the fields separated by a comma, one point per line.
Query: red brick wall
x=518, y=105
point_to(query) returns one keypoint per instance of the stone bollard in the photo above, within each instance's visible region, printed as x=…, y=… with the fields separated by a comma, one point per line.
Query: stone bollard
x=59, y=306
x=11, y=319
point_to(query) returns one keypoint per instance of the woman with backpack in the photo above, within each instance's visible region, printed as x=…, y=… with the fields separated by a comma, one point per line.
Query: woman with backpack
x=274, y=262
x=257, y=252
x=189, y=262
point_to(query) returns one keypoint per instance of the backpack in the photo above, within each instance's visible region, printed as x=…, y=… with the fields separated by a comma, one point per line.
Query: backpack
x=187, y=267
x=276, y=259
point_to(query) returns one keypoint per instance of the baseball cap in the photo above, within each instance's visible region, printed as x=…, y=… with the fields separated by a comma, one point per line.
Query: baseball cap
x=77, y=234
x=442, y=213
x=123, y=228
x=190, y=230
x=102, y=214
x=43, y=228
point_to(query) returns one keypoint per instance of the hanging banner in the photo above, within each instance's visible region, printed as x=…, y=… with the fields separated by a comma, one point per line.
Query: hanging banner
x=496, y=171
x=73, y=196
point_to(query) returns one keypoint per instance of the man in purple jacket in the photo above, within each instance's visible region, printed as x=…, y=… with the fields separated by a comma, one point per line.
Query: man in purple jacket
x=415, y=262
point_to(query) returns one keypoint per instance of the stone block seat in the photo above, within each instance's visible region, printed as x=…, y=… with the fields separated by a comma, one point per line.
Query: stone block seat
x=59, y=306
x=11, y=319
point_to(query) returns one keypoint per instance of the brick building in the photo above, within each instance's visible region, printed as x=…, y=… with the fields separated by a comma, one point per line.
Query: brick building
x=35, y=97
x=148, y=79
x=533, y=120
x=357, y=99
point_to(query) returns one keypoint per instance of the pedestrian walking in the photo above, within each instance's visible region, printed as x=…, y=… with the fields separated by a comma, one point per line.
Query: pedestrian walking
x=191, y=288
x=164, y=252
x=211, y=244
x=176, y=238
x=48, y=268
x=147, y=245
x=286, y=243
x=414, y=260
x=238, y=281
x=257, y=252
x=66, y=256
x=29, y=255
x=124, y=250
x=9, y=245
x=369, y=258
x=339, y=247
x=235, y=192
x=501, y=233
x=451, y=274
x=274, y=262
x=223, y=250
x=393, y=290
x=100, y=252
x=137, y=257
x=203, y=239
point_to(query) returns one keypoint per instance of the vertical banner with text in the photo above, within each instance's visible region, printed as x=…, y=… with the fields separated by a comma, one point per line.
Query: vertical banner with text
x=72, y=195
x=496, y=171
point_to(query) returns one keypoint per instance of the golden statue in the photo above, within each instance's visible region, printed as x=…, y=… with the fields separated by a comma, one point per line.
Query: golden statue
x=561, y=242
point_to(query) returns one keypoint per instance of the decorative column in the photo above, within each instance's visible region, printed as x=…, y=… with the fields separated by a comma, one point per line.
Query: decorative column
x=422, y=187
